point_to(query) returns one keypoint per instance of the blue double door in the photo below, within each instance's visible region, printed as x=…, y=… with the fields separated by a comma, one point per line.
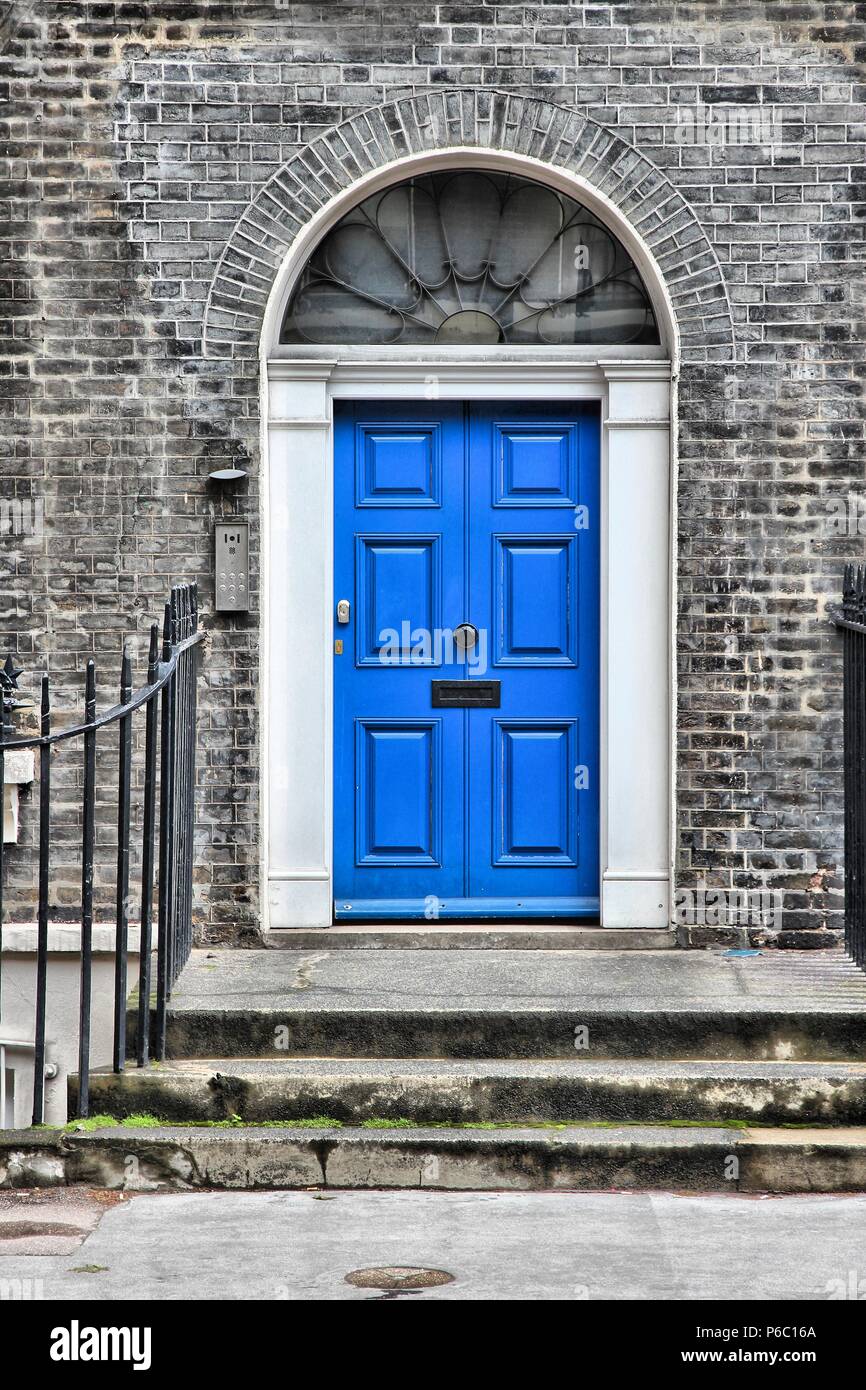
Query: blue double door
x=466, y=634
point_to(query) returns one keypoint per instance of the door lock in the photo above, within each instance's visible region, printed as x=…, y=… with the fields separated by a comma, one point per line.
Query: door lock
x=465, y=637
x=343, y=610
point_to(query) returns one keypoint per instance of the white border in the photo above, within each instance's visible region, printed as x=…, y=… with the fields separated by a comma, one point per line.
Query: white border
x=635, y=388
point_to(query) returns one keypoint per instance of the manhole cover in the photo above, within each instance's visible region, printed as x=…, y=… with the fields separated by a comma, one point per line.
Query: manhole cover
x=398, y=1277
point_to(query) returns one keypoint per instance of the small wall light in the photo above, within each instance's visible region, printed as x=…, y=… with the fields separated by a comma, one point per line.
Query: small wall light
x=227, y=475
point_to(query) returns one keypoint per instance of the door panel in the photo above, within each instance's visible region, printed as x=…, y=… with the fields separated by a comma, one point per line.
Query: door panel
x=533, y=764
x=399, y=466
x=450, y=514
x=536, y=465
x=535, y=600
x=398, y=583
x=533, y=820
x=399, y=559
x=399, y=794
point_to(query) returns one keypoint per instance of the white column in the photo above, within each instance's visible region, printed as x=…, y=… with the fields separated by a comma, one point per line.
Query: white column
x=300, y=562
x=636, y=647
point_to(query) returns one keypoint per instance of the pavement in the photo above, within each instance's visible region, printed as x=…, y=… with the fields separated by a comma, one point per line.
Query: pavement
x=496, y=1246
x=470, y=980
x=49, y=1223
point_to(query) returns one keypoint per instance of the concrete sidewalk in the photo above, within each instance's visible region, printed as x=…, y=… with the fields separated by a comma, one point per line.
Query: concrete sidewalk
x=497, y=1246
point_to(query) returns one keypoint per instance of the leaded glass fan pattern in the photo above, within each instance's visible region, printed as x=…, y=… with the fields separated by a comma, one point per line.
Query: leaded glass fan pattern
x=470, y=258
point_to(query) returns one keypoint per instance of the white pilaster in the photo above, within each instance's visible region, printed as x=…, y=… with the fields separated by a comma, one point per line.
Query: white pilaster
x=300, y=564
x=636, y=647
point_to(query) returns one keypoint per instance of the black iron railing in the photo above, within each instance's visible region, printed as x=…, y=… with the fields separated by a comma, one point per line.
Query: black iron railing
x=167, y=704
x=851, y=621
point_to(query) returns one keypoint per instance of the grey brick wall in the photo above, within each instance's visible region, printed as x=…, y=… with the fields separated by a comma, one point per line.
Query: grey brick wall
x=135, y=136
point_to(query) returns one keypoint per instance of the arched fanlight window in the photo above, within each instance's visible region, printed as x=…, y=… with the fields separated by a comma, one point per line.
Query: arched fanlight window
x=471, y=258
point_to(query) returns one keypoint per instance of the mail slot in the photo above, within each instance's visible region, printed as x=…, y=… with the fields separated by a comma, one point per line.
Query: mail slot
x=465, y=694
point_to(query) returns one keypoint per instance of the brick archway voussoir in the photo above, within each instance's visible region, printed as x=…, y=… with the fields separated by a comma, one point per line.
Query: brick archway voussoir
x=434, y=120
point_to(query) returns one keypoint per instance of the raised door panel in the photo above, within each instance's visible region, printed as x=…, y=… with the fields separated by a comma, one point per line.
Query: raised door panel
x=399, y=792
x=535, y=464
x=398, y=586
x=535, y=600
x=535, y=793
x=398, y=464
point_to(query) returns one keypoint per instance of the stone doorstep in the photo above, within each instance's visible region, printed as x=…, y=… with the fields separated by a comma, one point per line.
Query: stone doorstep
x=502, y=936
x=639, y=1157
x=808, y=1005
x=329, y=979
x=447, y=1092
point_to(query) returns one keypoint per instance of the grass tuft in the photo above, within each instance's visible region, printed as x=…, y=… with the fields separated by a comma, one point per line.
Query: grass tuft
x=94, y=1122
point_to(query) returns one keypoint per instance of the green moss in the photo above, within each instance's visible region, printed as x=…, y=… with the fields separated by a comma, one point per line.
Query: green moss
x=94, y=1122
x=97, y=1122
x=376, y=1123
x=316, y=1122
x=663, y=1124
x=238, y=1122
x=578, y=1124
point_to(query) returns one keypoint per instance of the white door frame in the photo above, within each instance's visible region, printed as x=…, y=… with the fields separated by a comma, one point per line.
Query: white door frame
x=635, y=388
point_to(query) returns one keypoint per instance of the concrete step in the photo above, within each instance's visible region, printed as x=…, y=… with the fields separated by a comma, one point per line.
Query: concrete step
x=439, y=936
x=452, y=1092
x=649, y=1157
x=512, y=1004
x=512, y=1034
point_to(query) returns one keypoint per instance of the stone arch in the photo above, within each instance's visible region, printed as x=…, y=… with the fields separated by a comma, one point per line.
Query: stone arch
x=431, y=121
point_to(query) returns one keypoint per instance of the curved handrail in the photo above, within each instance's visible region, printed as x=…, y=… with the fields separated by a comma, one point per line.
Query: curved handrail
x=110, y=716
x=168, y=788
x=838, y=616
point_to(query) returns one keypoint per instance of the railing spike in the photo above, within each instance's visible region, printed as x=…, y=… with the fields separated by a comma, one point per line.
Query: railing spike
x=42, y=912
x=87, y=851
x=153, y=653
x=124, y=792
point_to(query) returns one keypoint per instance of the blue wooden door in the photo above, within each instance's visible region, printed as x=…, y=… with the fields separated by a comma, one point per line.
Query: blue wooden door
x=485, y=516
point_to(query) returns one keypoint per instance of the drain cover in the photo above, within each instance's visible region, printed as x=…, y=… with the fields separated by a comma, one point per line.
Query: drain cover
x=398, y=1277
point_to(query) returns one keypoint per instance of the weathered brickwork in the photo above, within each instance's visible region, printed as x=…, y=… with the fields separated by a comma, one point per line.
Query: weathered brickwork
x=149, y=148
